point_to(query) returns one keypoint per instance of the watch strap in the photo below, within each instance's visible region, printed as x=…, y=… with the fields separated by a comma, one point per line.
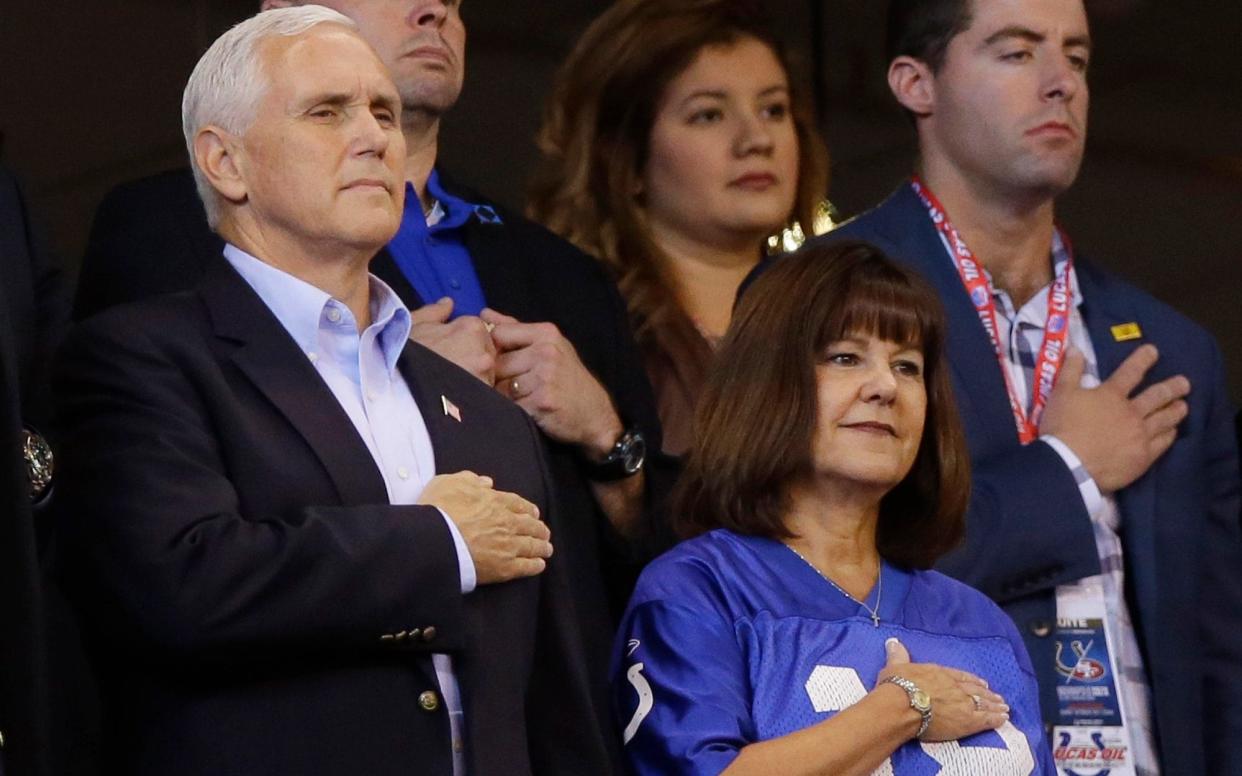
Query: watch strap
x=625, y=459
x=913, y=691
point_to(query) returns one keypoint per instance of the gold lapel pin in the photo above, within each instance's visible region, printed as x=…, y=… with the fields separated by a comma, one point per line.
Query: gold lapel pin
x=450, y=409
x=1123, y=332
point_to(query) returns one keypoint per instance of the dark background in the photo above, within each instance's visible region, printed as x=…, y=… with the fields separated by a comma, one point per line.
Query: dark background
x=90, y=96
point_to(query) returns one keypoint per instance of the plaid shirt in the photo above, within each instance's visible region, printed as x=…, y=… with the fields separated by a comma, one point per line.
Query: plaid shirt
x=1022, y=332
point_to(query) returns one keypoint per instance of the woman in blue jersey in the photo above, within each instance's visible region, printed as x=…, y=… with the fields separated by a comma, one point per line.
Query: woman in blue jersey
x=800, y=631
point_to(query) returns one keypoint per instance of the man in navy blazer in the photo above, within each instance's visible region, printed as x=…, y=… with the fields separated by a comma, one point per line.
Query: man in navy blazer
x=569, y=350
x=1124, y=488
x=305, y=544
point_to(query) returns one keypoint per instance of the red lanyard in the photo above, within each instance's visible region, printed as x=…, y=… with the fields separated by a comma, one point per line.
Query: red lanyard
x=1056, y=329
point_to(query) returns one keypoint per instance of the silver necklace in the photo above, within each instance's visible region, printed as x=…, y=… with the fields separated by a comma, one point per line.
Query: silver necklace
x=879, y=587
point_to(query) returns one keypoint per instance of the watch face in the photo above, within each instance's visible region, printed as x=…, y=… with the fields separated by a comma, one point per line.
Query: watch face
x=920, y=700
x=624, y=460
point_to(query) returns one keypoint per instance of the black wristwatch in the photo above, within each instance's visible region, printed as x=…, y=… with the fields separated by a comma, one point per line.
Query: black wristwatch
x=625, y=459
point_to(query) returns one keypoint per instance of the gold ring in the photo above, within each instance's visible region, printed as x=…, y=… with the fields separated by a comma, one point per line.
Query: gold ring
x=978, y=702
x=488, y=325
x=514, y=386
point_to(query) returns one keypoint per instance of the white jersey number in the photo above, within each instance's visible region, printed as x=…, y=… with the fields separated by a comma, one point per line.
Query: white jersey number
x=834, y=688
x=646, y=699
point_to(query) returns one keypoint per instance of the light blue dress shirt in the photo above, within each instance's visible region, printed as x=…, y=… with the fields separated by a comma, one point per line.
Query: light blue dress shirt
x=361, y=371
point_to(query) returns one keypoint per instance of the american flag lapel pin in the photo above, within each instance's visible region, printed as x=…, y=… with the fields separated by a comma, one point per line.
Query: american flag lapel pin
x=450, y=409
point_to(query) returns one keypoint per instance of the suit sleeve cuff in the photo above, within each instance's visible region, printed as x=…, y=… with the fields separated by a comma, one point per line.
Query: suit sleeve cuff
x=465, y=563
x=1092, y=498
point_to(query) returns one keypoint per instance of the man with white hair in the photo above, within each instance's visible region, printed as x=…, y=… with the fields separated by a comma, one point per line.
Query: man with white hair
x=519, y=307
x=306, y=545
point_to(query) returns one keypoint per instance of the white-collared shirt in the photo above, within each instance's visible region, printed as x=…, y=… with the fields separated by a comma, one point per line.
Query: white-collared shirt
x=361, y=371
x=1022, y=332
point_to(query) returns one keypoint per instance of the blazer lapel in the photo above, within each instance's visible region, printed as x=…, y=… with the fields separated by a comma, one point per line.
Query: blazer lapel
x=270, y=358
x=1101, y=314
x=451, y=424
x=1139, y=528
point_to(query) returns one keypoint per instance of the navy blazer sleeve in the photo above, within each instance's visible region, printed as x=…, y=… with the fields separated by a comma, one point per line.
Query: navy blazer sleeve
x=1028, y=528
x=33, y=308
x=569, y=739
x=1220, y=615
x=36, y=300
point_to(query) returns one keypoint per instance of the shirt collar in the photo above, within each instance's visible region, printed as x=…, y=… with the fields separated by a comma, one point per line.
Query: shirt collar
x=391, y=320
x=299, y=306
x=448, y=210
x=1059, y=255
x=456, y=211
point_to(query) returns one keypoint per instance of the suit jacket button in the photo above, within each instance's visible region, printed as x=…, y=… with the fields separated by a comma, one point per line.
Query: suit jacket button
x=429, y=700
x=429, y=633
x=1040, y=628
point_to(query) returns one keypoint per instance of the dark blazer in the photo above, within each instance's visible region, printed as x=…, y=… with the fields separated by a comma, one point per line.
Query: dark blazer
x=151, y=236
x=24, y=715
x=260, y=606
x=45, y=696
x=1027, y=528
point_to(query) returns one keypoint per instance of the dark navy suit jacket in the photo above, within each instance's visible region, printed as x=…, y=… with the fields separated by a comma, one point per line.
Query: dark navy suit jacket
x=259, y=606
x=151, y=236
x=1028, y=530
x=24, y=691
x=47, y=698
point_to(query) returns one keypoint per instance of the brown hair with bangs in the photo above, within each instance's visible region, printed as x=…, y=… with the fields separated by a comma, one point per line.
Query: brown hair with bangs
x=596, y=131
x=756, y=418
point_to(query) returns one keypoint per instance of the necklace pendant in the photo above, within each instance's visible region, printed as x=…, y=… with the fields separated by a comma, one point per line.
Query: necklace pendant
x=873, y=613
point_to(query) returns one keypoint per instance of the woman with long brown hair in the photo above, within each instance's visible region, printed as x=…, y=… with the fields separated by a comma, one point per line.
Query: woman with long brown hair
x=675, y=145
x=800, y=630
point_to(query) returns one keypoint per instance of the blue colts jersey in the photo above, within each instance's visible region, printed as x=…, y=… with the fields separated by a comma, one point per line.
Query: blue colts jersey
x=730, y=640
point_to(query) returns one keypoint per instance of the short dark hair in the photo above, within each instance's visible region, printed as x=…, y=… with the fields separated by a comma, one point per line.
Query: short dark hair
x=923, y=28
x=757, y=415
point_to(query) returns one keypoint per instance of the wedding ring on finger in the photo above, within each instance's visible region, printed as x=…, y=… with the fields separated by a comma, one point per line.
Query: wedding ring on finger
x=488, y=326
x=977, y=701
x=514, y=388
